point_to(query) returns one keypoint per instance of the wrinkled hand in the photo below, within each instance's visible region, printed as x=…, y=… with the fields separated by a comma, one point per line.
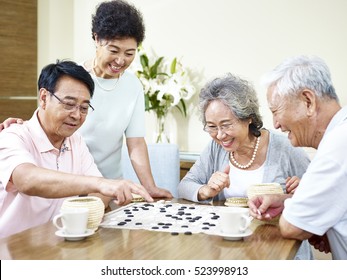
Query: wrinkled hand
x=292, y=183
x=320, y=243
x=266, y=207
x=121, y=190
x=160, y=193
x=9, y=121
x=218, y=181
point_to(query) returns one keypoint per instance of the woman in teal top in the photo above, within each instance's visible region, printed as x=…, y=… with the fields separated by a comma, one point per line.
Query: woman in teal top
x=117, y=29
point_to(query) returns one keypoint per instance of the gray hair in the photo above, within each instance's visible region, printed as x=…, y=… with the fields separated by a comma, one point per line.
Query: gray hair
x=238, y=95
x=298, y=73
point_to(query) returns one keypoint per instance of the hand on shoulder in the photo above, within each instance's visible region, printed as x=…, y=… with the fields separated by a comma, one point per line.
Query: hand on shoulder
x=10, y=121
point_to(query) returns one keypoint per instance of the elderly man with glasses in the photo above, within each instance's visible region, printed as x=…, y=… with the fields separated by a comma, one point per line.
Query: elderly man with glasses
x=43, y=161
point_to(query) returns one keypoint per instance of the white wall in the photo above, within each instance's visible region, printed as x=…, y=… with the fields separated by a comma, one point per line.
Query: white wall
x=55, y=31
x=247, y=38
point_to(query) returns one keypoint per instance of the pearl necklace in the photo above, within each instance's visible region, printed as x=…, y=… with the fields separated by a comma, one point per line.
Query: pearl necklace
x=252, y=159
x=97, y=80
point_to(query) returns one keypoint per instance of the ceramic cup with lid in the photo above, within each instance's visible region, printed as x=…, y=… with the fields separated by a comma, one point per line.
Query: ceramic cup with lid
x=94, y=204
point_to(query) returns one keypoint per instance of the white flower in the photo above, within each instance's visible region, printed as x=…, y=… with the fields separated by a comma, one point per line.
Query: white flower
x=166, y=84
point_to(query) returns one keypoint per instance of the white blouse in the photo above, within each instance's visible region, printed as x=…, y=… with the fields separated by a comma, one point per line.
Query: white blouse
x=240, y=180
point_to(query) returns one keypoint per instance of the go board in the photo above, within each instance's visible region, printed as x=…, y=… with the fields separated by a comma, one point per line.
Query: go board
x=165, y=216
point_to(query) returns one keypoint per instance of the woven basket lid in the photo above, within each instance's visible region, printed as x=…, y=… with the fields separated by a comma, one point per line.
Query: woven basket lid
x=236, y=202
x=94, y=204
x=264, y=188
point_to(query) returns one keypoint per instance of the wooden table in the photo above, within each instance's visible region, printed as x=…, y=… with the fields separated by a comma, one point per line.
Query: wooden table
x=41, y=243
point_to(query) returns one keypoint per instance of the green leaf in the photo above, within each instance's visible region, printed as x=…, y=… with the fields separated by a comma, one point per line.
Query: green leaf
x=183, y=107
x=153, y=70
x=144, y=61
x=146, y=102
x=173, y=66
x=162, y=74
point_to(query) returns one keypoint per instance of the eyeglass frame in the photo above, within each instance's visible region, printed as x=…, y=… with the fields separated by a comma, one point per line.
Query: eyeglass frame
x=74, y=107
x=223, y=128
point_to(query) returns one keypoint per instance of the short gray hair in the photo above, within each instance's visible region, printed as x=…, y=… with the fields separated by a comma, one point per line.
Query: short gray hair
x=301, y=72
x=237, y=94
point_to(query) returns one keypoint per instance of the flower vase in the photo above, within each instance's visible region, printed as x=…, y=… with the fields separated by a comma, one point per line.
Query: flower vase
x=161, y=135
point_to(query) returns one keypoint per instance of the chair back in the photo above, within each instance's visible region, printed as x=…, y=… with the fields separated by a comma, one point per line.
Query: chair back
x=165, y=166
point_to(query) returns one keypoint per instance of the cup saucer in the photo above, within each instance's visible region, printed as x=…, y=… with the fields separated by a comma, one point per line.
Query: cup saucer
x=238, y=236
x=74, y=237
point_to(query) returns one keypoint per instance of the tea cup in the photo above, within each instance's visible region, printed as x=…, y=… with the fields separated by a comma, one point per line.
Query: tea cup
x=72, y=221
x=234, y=220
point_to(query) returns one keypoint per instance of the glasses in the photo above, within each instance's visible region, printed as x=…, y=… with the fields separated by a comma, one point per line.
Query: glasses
x=71, y=107
x=213, y=129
